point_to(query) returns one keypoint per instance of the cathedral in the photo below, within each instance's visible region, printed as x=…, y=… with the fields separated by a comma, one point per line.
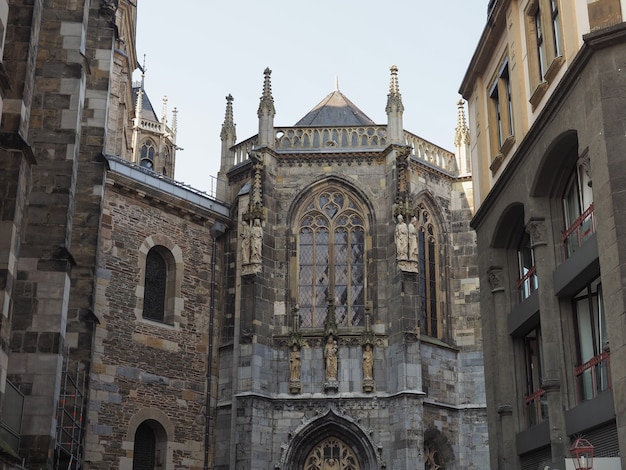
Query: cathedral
x=319, y=311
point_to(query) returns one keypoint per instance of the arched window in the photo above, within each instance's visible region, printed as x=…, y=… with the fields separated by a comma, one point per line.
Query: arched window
x=155, y=287
x=427, y=240
x=147, y=154
x=331, y=259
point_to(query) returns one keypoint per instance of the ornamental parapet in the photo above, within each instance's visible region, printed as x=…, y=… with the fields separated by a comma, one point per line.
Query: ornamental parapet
x=348, y=138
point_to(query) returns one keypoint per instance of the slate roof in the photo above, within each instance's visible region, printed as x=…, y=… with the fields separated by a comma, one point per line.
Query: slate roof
x=147, y=111
x=335, y=110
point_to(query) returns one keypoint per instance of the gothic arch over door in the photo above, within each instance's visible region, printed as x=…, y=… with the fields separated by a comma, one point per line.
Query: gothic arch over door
x=330, y=442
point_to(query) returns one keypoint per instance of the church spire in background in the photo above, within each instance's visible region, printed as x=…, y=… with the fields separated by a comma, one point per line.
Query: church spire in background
x=394, y=109
x=266, y=113
x=462, y=140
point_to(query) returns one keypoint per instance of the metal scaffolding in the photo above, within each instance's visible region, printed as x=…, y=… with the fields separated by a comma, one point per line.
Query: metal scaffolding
x=70, y=417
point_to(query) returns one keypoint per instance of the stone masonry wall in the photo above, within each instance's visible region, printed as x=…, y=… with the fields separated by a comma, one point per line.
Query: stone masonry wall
x=139, y=365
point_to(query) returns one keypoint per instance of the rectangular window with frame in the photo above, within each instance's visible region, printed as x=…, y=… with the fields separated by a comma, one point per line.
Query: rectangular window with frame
x=501, y=112
x=544, y=36
x=535, y=403
x=593, y=370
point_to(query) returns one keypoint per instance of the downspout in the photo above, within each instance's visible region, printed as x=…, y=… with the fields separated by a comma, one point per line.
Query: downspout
x=217, y=230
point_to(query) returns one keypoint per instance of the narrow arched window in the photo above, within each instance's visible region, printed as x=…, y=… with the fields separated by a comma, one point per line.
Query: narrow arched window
x=428, y=262
x=331, y=259
x=155, y=287
x=147, y=154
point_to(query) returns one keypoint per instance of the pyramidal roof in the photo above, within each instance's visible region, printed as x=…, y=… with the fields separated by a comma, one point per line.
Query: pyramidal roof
x=335, y=110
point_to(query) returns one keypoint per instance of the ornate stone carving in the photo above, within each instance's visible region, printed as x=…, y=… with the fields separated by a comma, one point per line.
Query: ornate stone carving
x=368, y=368
x=295, y=367
x=331, y=358
x=494, y=275
x=401, y=239
x=108, y=8
x=536, y=228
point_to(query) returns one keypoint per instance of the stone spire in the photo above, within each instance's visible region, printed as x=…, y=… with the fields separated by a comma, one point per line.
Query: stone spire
x=394, y=109
x=462, y=141
x=266, y=113
x=164, y=111
x=228, y=136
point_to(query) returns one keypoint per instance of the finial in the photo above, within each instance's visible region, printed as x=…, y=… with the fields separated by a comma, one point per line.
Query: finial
x=175, y=119
x=394, y=98
x=394, y=89
x=267, y=101
x=461, y=133
x=164, y=110
x=228, y=128
x=336, y=82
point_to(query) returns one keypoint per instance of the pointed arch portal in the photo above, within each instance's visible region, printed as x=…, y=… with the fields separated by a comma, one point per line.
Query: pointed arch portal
x=330, y=442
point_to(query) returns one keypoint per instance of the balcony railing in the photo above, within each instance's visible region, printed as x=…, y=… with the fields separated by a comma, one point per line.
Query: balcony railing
x=576, y=234
x=527, y=284
x=536, y=407
x=593, y=377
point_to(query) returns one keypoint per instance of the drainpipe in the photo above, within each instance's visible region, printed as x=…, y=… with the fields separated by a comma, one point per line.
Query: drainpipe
x=217, y=230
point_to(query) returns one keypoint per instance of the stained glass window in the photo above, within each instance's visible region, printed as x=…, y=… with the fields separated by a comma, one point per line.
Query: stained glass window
x=331, y=242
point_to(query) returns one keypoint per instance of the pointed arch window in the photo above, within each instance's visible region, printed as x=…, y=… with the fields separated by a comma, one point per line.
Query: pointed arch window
x=147, y=154
x=331, y=259
x=428, y=262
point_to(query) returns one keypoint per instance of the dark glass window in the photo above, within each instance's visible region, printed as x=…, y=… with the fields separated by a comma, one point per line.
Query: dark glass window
x=593, y=371
x=429, y=323
x=155, y=286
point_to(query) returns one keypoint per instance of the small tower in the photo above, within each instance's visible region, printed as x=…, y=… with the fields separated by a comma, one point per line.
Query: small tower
x=154, y=142
x=266, y=113
x=394, y=110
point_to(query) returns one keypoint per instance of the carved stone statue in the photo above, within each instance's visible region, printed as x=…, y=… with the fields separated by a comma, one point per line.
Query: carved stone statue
x=368, y=362
x=245, y=242
x=330, y=353
x=257, y=242
x=294, y=363
x=402, y=238
x=413, y=245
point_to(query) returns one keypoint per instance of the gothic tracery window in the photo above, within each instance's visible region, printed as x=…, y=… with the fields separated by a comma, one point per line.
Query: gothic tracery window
x=432, y=458
x=427, y=240
x=331, y=454
x=331, y=259
x=147, y=154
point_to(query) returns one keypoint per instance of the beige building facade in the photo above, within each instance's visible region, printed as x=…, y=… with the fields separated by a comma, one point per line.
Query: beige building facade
x=544, y=91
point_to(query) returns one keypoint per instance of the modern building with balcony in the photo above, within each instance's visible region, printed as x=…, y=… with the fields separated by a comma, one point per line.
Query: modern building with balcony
x=546, y=97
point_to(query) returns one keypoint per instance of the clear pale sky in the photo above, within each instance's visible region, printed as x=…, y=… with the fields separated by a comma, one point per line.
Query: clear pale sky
x=199, y=51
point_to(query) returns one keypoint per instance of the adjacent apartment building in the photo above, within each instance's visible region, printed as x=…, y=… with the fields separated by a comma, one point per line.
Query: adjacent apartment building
x=546, y=95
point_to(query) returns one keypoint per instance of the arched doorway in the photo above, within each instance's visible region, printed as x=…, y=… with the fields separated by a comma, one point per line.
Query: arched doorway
x=330, y=442
x=331, y=454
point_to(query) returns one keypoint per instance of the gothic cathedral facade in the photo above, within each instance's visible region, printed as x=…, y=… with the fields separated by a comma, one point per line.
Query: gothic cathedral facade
x=350, y=333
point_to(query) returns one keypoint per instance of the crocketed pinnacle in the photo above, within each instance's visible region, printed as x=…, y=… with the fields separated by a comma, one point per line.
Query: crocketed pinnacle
x=394, y=98
x=266, y=106
x=228, y=128
x=461, y=133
